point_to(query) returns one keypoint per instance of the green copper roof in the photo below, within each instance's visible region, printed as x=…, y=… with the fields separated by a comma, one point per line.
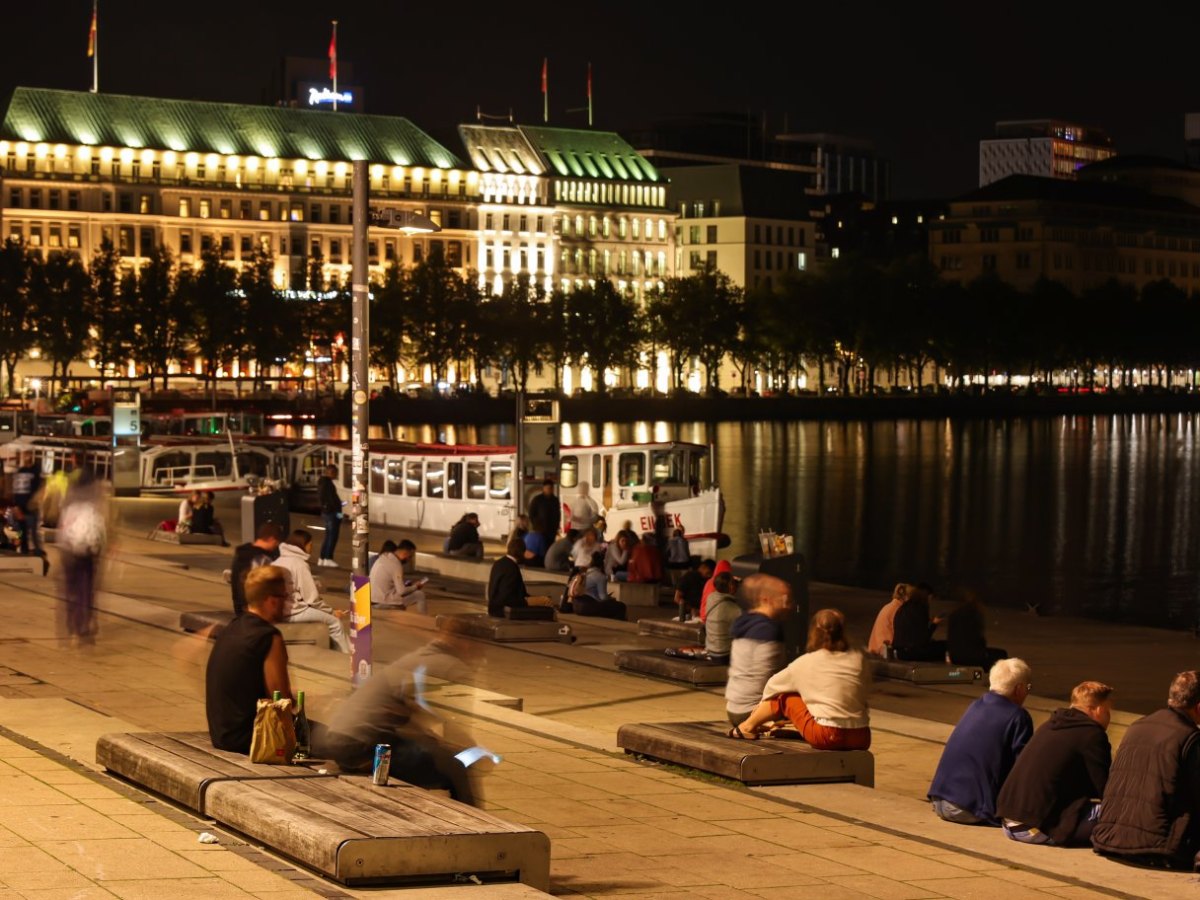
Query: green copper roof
x=501, y=149
x=76, y=117
x=577, y=153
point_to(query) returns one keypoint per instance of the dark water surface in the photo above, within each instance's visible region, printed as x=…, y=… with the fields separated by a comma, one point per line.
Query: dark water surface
x=1087, y=515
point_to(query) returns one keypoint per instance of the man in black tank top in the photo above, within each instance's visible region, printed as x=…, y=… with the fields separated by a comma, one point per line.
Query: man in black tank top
x=248, y=662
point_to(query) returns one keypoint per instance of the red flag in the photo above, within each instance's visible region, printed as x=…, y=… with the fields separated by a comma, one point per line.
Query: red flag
x=545, y=63
x=589, y=81
x=92, y=34
x=333, y=54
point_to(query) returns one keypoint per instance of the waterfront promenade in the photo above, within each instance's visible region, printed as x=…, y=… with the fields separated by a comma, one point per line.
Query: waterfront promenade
x=618, y=827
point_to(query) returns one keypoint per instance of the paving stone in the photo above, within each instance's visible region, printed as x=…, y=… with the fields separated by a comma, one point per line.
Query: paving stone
x=122, y=859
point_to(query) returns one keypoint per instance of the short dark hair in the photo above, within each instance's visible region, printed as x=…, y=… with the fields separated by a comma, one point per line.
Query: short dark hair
x=1185, y=691
x=598, y=559
x=710, y=564
x=387, y=547
x=269, y=531
x=547, y=482
x=515, y=547
x=408, y=545
x=300, y=538
x=723, y=582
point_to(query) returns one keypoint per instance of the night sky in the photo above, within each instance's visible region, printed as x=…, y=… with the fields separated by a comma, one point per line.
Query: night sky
x=923, y=80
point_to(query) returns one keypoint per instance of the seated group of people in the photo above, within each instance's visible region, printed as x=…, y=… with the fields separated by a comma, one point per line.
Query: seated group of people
x=1059, y=785
x=904, y=629
x=197, y=515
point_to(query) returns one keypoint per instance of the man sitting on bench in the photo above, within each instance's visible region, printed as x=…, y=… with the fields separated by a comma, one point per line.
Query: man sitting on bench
x=248, y=662
x=506, y=586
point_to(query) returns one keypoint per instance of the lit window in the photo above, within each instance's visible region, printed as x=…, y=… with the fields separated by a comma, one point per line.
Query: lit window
x=835, y=253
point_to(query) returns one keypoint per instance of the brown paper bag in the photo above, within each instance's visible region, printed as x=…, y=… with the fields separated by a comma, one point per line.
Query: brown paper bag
x=274, y=740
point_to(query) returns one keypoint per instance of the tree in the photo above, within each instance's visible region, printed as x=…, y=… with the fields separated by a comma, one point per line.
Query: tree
x=164, y=316
x=606, y=329
x=437, y=313
x=16, y=313
x=388, y=311
x=110, y=312
x=59, y=289
x=519, y=320
x=272, y=333
x=218, y=313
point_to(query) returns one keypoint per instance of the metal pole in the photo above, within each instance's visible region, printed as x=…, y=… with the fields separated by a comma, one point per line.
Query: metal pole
x=360, y=347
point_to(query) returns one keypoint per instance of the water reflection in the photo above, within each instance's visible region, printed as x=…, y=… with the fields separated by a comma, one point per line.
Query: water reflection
x=1077, y=514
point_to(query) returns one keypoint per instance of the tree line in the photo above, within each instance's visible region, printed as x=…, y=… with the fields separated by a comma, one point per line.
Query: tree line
x=853, y=321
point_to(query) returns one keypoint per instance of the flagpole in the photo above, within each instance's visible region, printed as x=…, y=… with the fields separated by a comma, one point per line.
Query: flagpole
x=545, y=90
x=95, y=49
x=589, y=87
x=333, y=63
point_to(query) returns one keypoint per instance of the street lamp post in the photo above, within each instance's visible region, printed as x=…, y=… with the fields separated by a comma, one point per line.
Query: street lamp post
x=360, y=418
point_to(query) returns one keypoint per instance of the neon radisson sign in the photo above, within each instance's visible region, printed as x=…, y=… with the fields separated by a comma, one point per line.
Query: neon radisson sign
x=318, y=96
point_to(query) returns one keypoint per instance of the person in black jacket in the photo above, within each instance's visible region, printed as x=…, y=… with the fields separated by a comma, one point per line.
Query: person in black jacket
x=506, y=586
x=914, y=628
x=464, y=538
x=1052, y=795
x=263, y=551
x=545, y=512
x=1151, y=809
x=331, y=515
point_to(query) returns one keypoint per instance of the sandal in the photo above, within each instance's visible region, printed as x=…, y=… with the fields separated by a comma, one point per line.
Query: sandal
x=737, y=734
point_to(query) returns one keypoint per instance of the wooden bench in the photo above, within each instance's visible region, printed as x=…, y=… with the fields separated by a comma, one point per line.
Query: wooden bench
x=504, y=631
x=340, y=825
x=27, y=564
x=926, y=672
x=705, y=746
x=210, y=622
x=174, y=537
x=685, y=632
x=183, y=766
x=658, y=665
x=359, y=833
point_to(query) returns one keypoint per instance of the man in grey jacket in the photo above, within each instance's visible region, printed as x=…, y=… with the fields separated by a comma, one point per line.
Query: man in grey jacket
x=756, y=649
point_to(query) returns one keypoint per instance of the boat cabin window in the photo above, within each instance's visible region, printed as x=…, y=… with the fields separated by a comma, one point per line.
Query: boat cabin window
x=170, y=463
x=500, y=487
x=412, y=478
x=454, y=481
x=435, y=484
x=395, y=476
x=218, y=464
x=666, y=467
x=695, y=463
x=596, y=482
x=631, y=469
x=347, y=472
x=568, y=472
x=477, y=480
x=377, y=466
x=250, y=463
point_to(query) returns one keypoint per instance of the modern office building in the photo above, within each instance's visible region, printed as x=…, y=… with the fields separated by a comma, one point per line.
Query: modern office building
x=843, y=164
x=1049, y=148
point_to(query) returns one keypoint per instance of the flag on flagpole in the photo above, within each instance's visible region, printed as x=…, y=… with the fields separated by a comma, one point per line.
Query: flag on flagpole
x=333, y=54
x=92, y=34
x=589, y=95
x=545, y=89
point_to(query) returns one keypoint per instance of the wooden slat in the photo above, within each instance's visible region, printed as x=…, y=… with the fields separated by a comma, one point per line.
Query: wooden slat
x=658, y=664
x=689, y=632
x=926, y=672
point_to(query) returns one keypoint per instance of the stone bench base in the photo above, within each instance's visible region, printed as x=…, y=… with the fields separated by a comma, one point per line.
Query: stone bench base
x=174, y=537
x=27, y=564
x=926, y=672
x=340, y=825
x=637, y=597
x=210, y=622
x=685, y=632
x=704, y=746
x=659, y=665
x=504, y=631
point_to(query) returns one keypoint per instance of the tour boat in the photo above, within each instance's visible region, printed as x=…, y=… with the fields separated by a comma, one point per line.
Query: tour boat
x=429, y=487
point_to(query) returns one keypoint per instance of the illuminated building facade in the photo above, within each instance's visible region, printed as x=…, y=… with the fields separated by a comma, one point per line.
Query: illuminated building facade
x=561, y=205
x=1048, y=148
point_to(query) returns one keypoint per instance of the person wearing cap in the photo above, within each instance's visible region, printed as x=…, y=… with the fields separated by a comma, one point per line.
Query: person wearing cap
x=464, y=537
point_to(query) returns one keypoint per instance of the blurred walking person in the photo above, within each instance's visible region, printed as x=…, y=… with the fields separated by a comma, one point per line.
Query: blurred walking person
x=82, y=535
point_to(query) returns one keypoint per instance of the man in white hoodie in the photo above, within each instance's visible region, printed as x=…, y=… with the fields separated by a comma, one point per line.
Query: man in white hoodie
x=306, y=604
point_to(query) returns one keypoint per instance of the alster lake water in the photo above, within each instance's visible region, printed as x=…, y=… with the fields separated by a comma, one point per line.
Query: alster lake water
x=1091, y=515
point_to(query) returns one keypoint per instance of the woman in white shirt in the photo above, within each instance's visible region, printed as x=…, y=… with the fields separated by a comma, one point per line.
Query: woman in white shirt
x=823, y=692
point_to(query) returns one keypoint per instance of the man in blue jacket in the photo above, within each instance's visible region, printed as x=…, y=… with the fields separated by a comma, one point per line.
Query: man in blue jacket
x=983, y=747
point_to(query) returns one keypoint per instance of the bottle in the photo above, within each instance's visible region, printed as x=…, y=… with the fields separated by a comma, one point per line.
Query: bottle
x=303, y=732
x=276, y=697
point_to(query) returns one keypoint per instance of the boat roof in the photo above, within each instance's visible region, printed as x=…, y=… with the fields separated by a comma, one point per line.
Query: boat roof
x=415, y=448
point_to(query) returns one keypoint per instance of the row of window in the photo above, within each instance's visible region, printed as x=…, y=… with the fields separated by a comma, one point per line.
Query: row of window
x=699, y=209
x=1119, y=265
x=604, y=226
x=441, y=480
x=635, y=263
x=608, y=194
